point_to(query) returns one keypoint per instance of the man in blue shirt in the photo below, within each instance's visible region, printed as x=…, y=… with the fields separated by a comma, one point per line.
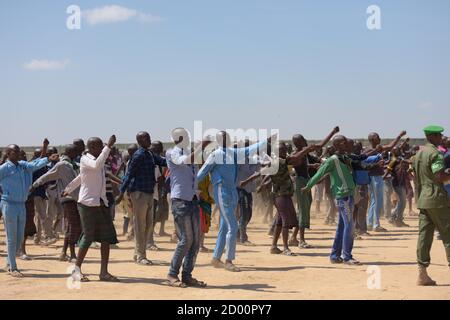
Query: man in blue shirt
x=140, y=182
x=15, y=180
x=222, y=165
x=184, y=187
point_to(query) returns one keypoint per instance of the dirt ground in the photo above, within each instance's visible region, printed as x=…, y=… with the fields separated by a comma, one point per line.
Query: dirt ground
x=306, y=276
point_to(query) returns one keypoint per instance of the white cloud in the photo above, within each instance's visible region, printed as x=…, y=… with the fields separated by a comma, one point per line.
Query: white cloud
x=46, y=65
x=115, y=13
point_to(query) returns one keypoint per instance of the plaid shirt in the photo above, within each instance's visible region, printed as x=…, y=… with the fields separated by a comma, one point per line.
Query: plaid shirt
x=140, y=175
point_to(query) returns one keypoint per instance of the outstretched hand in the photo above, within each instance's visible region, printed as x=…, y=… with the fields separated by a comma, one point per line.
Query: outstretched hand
x=112, y=141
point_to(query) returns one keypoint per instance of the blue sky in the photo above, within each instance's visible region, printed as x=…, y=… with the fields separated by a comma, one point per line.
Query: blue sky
x=297, y=66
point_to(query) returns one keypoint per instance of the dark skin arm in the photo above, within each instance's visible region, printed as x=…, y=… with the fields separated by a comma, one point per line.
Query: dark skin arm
x=249, y=179
x=266, y=181
x=390, y=146
x=44, y=148
x=328, y=138
x=296, y=158
x=375, y=151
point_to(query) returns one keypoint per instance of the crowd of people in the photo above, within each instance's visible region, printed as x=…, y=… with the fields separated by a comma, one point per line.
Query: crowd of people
x=76, y=193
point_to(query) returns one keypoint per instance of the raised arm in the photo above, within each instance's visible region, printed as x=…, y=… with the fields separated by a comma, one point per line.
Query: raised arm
x=328, y=138
x=297, y=157
x=390, y=146
x=207, y=167
x=99, y=162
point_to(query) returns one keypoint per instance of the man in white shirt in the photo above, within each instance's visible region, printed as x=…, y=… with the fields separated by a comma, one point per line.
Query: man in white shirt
x=96, y=220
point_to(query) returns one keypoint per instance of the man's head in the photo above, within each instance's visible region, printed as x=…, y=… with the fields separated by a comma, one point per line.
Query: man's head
x=37, y=153
x=340, y=144
x=22, y=155
x=180, y=136
x=13, y=153
x=445, y=142
x=157, y=147
x=223, y=139
x=95, y=146
x=434, y=134
x=350, y=145
x=283, y=150
x=80, y=146
x=71, y=151
x=132, y=148
x=374, y=139
x=357, y=147
x=51, y=150
x=144, y=140
x=299, y=142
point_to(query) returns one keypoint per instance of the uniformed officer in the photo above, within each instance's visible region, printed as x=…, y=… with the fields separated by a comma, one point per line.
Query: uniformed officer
x=433, y=201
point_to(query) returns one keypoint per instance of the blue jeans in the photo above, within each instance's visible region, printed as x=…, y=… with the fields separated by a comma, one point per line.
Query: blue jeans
x=343, y=242
x=397, y=214
x=376, y=188
x=226, y=199
x=14, y=217
x=187, y=224
x=245, y=213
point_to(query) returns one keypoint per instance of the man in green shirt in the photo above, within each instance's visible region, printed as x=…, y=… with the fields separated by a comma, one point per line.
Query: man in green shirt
x=433, y=201
x=343, y=187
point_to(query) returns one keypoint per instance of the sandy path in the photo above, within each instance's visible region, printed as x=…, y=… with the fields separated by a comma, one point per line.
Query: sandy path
x=306, y=276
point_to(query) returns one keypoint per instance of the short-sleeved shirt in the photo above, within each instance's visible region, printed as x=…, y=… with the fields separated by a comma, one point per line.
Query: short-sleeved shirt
x=431, y=194
x=281, y=182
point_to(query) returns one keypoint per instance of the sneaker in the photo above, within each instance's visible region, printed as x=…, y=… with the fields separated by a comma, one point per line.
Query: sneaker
x=352, y=262
x=25, y=257
x=229, y=266
x=336, y=261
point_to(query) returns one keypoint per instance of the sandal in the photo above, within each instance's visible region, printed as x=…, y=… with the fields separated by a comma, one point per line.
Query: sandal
x=293, y=242
x=231, y=267
x=15, y=274
x=108, y=278
x=288, y=253
x=275, y=251
x=144, y=262
x=192, y=282
x=304, y=245
x=176, y=284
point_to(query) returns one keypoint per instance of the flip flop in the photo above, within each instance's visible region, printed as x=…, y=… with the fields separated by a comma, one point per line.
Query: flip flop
x=195, y=283
x=108, y=278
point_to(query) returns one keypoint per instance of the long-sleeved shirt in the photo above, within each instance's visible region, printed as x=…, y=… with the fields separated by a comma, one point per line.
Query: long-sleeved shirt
x=16, y=180
x=182, y=173
x=63, y=173
x=342, y=184
x=92, y=180
x=140, y=175
x=222, y=164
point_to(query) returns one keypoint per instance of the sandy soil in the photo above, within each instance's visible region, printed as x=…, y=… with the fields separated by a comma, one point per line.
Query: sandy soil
x=306, y=276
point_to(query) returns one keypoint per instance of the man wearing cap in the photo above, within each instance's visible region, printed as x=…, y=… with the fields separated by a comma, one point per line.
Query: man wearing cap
x=433, y=201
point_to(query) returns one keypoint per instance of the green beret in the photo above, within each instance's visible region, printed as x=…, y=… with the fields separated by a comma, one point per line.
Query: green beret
x=432, y=130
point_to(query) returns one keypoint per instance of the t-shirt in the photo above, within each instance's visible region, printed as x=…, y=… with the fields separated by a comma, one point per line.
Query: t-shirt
x=281, y=182
x=377, y=170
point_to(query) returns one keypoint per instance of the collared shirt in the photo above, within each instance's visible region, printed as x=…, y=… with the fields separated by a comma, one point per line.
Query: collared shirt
x=182, y=173
x=140, y=175
x=63, y=173
x=16, y=180
x=92, y=180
